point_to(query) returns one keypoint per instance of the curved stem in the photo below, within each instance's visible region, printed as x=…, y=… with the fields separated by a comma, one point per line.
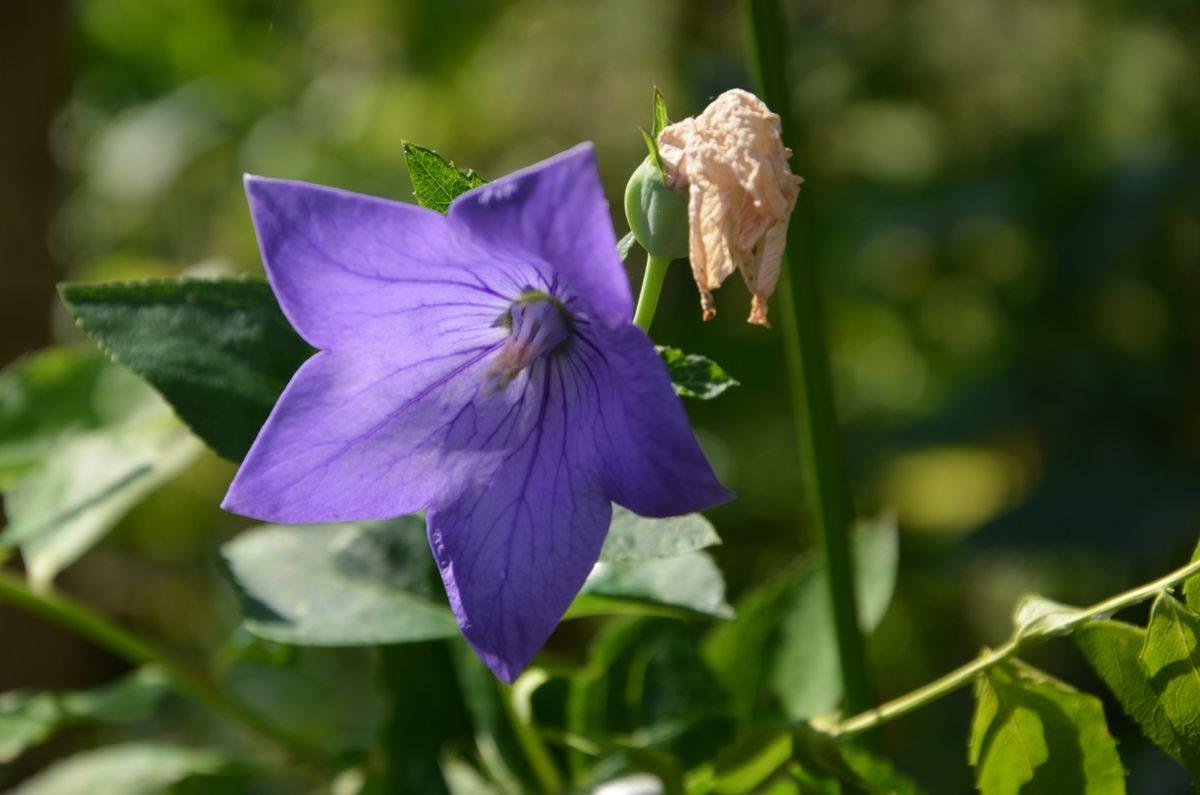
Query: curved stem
x=798, y=309
x=539, y=758
x=652, y=282
x=1021, y=638
x=81, y=619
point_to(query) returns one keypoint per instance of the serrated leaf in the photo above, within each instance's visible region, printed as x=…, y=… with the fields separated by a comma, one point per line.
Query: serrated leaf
x=660, y=113
x=220, y=351
x=625, y=245
x=1170, y=657
x=805, y=675
x=1112, y=649
x=27, y=719
x=691, y=581
x=1033, y=734
x=339, y=585
x=133, y=769
x=92, y=478
x=695, y=376
x=632, y=538
x=45, y=396
x=436, y=182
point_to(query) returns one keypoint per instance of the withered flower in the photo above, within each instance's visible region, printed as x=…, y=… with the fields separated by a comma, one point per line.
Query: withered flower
x=741, y=193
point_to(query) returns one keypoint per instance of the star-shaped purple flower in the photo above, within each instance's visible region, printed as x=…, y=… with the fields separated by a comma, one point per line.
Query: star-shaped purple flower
x=479, y=365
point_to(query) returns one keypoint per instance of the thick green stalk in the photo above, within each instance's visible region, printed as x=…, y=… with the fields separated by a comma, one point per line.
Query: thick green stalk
x=652, y=282
x=81, y=619
x=798, y=310
x=1022, y=637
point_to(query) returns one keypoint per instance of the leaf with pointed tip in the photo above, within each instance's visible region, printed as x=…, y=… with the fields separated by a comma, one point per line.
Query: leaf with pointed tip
x=625, y=245
x=1112, y=649
x=219, y=350
x=1033, y=734
x=660, y=113
x=436, y=181
x=695, y=376
x=1037, y=615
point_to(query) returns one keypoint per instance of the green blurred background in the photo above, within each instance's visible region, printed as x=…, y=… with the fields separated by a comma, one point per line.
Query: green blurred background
x=1002, y=198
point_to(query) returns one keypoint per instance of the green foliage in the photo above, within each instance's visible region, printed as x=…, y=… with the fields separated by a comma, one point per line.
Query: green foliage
x=27, y=719
x=695, y=376
x=94, y=473
x=435, y=180
x=690, y=581
x=625, y=245
x=1170, y=658
x=633, y=538
x=1113, y=649
x=856, y=771
x=1191, y=586
x=660, y=113
x=133, y=769
x=339, y=585
x=1034, y=734
x=44, y=396
x=805, y=674
x=220, y=351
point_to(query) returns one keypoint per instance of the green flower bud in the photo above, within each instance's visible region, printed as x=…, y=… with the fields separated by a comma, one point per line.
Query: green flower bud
x=658, y=216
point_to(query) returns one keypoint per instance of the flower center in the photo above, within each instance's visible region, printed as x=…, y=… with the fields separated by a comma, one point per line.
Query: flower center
x=537, y=326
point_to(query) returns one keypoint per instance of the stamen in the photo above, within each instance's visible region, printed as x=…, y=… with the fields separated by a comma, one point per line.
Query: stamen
x=539, y=326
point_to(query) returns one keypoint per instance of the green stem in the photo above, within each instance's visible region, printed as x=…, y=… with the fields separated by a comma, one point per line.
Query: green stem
x=798, y=309
x=652, y=282
x=1022, y=637
x=539, y=758
x=79, y=618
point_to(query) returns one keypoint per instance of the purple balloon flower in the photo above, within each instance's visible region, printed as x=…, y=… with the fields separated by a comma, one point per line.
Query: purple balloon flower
x=479, y=365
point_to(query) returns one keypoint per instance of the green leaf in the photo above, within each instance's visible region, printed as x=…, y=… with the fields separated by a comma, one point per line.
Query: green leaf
x=93, y=478
x=805, y=668
x=857, y=771
x=220, y=351
x=1033, y=734
x=1191, y=586
x=339, y=584
x=27, y=719
x=632, y=538
x=435, y=180
x=692, y=582
x=1037, y=615
x=625, y=245
x=660, y=113
x=695, y=376
x=133, y=769
x=1112, y=649
x=1170, y=657
x=654, y=155
x=43, y=397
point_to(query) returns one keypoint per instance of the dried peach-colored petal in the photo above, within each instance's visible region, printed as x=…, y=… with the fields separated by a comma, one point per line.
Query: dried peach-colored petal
x=741, y=193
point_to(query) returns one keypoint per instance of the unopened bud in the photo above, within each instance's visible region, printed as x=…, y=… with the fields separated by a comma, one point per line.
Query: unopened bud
x=658, y=216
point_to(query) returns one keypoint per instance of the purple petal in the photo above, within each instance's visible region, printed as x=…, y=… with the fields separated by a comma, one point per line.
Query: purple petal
x=555, y=210
x=652, y=462
x=358, y=436
x=345, y=266
x=516, y=545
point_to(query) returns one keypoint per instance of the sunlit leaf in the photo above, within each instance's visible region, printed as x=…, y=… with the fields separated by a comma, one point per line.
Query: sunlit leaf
x=625, y=245
x=27, y=719
x=220, y=351
x=1170, y=657
x=339, y=584
x=92, y=478
x=1112, y=648
x=436, y=182
x=1037, y=615
x=133, y=769
x=1191, y=586
x=805, y=674
x=43, y=397
x=660, y=113
x=633, y=538
x=691, y=581
x=695, y=376
x=1033, y=734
